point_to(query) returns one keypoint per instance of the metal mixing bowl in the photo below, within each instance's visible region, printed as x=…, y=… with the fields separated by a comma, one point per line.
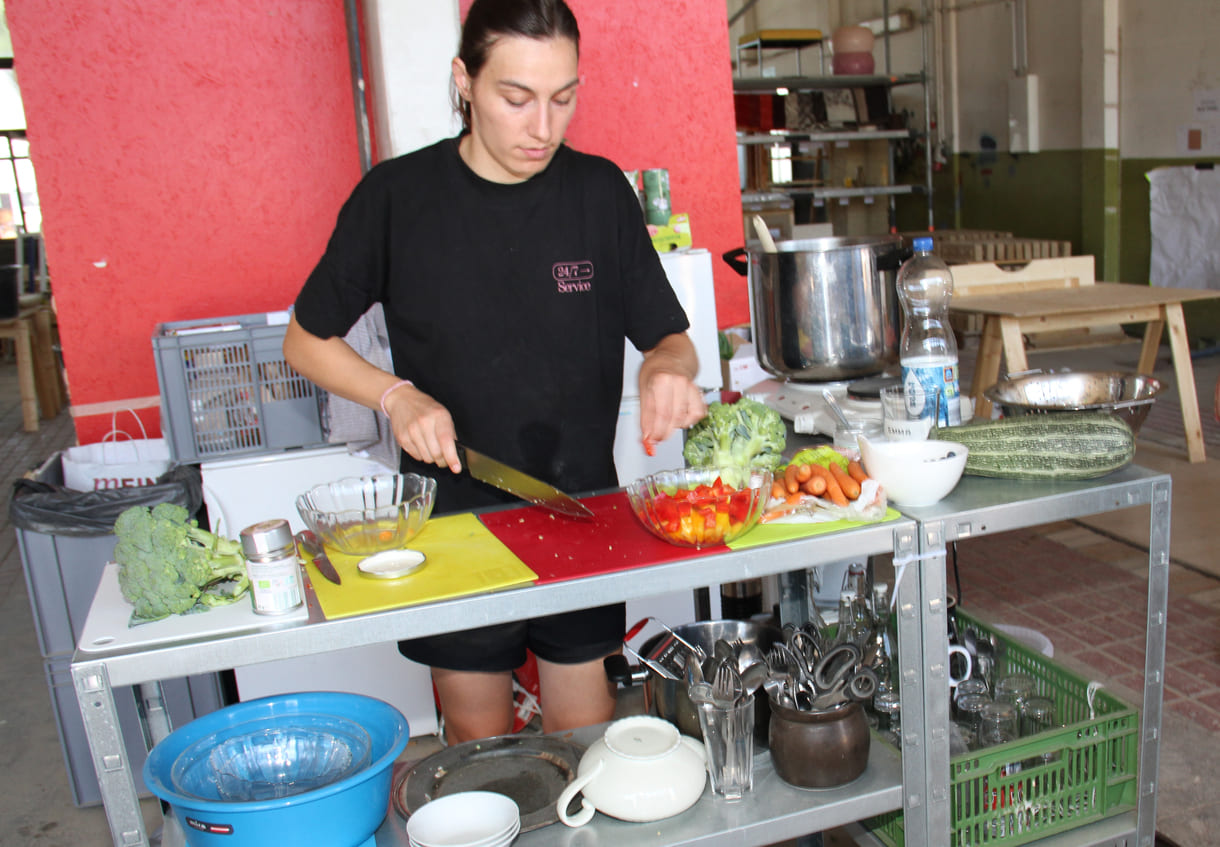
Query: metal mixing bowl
x=1128, y=396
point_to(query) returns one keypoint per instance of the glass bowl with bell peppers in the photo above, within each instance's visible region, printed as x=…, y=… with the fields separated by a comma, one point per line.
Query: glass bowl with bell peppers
x=700, y=507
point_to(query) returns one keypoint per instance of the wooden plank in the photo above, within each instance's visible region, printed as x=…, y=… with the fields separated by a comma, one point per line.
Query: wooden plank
x=989, y=278
x=1100, y=297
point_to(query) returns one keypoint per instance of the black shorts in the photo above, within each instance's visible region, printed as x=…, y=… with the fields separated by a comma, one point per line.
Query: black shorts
x=567, y=638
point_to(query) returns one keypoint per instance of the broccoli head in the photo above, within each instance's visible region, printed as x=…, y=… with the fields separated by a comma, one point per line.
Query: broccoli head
x=168, y=565
x=745, y=434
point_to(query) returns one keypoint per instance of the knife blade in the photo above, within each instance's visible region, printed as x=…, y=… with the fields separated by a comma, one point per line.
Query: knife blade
x=520, y=484
x=313, y=546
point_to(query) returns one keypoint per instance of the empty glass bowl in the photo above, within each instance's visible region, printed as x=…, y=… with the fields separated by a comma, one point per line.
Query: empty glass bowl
x=272, y=758
x=361, y=516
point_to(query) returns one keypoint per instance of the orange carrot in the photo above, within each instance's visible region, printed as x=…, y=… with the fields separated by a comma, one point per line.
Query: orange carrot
x=833, y=490
x=790, y=479
x=815, y=485
x=803, y=473
x=778, y=491
x=850, y=487
x=856, y=471
x=793, y=498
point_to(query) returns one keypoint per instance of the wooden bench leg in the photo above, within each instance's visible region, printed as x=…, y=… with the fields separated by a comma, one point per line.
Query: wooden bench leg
x=1150, y=347
x=1185, y=372
x=46, y=370
x=986, y=366
x=25, y=377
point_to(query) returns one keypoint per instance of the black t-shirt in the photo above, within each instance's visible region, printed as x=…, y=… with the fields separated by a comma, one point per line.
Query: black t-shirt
x=507, y=303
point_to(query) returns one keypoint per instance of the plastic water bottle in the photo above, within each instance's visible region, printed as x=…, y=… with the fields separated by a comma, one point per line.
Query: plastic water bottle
x=928, y=352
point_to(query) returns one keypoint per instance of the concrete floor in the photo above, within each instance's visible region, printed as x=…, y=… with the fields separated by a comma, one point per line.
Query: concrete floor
x=36, y=803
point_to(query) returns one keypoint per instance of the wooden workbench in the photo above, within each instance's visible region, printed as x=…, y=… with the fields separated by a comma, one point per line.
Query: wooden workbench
x=1008, y=317
x=37, y=370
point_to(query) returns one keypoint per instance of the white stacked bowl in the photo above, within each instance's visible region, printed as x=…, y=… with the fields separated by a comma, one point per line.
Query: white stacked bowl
x=465, y=819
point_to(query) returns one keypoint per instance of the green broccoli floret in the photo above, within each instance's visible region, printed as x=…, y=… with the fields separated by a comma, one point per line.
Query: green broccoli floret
x=745, y=434
x=168, y=565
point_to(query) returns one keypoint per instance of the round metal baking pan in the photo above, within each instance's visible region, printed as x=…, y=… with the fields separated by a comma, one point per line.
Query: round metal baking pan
x=533, y=770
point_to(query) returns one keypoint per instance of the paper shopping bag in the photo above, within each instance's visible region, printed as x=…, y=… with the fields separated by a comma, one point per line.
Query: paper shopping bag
x=114, y=463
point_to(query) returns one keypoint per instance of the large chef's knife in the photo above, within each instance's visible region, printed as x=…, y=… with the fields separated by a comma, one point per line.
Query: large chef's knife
x=312, y=545
x=520, y=484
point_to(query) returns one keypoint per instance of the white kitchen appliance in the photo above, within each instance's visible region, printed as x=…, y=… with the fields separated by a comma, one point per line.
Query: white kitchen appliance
x=690, y=275
x=241, y=492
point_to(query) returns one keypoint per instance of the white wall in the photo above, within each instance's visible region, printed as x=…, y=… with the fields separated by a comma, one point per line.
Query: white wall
x=410, y=46
x=1169, y=54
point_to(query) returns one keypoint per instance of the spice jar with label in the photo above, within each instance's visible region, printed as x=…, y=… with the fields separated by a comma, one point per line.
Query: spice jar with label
x=272, y=566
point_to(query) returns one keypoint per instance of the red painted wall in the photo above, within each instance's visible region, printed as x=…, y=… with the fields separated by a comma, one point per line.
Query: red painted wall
x=658, y=93
x=191, y=156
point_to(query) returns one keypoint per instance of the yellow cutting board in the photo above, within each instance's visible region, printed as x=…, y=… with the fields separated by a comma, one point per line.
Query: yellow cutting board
x=463, y=557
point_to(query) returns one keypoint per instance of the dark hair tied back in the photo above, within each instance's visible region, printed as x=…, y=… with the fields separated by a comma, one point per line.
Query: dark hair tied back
x=488, y=20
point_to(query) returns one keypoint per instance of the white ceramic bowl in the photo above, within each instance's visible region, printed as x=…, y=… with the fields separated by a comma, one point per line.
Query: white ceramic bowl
x=914, y=473
x=465, y=819
x=642, y=769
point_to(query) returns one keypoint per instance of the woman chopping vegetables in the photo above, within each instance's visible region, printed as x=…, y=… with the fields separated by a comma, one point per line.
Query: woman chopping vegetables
x=510, y=268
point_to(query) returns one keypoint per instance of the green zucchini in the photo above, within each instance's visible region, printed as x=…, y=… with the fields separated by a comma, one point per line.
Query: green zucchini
x=1054, y=445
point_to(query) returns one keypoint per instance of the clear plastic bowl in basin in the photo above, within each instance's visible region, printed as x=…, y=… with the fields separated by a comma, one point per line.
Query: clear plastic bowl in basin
x=342, y=813
x=361, y=516
x=712, y=518
x=272, y=758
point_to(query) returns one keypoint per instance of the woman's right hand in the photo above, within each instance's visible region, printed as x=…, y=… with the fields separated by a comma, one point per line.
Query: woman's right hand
x=423, y=427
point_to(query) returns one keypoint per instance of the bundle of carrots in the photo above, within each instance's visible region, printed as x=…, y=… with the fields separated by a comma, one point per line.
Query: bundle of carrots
x=837, y=484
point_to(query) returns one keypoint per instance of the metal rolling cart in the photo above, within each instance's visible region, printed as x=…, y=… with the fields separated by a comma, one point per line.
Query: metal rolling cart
x=784, y=813
x=917, y=782
x=980, y=506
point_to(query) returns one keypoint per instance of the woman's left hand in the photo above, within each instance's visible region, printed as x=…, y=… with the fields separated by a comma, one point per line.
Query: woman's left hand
x=669, y=398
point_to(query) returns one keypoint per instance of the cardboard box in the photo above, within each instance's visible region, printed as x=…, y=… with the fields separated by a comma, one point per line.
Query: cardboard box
x=674, y=236
x=742, y=371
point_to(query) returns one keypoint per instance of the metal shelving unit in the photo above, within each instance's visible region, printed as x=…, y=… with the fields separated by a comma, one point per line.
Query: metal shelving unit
x=794, y=84
x=916, y=782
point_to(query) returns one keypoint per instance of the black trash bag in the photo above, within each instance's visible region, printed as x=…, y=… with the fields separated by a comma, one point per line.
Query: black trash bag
x=50, y=508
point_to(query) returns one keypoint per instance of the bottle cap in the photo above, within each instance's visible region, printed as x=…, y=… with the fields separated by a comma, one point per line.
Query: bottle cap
x=923, y=244
x=266, y=537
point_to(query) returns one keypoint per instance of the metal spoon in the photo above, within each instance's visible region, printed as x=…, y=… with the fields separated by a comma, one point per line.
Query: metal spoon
x=754, y=676
x=837, y=409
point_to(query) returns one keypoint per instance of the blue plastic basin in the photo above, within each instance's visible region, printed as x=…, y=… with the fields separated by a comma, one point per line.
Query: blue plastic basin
x=344, y=813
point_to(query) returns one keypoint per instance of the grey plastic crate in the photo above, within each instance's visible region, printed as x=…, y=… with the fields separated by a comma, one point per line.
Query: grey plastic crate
x=227, y=391
x=62, y=575
x=185, y=699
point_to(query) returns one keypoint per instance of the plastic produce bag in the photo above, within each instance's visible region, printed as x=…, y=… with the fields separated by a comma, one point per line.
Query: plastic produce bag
x=46, y=506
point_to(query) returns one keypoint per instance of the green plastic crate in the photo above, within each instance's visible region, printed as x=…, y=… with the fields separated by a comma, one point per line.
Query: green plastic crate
x=1066, y=777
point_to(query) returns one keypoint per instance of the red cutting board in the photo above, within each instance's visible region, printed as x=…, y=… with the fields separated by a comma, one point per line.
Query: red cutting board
x=558, y=548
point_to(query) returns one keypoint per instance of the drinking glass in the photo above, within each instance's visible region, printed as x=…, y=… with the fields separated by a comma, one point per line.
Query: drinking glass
x=902, y=419
x=1014, y=688
x=728, y=736
x=969, y=711
x=1037, y=714
x=997, y=724
x=966, y=687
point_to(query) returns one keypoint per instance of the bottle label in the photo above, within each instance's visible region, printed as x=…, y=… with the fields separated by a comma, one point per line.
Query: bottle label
x=924, y=383
x=275, y=585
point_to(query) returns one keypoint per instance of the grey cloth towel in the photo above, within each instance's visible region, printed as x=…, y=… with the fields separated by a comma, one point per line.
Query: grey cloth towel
x=350, y=423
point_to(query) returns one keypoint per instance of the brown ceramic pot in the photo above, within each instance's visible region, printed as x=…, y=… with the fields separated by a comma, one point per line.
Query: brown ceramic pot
x=819, y=749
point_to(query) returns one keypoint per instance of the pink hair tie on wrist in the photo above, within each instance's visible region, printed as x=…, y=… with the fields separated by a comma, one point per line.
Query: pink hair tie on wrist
x=385, y=394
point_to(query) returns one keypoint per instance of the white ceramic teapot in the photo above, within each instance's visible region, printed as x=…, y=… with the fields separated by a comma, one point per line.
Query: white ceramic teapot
x=641, y=769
